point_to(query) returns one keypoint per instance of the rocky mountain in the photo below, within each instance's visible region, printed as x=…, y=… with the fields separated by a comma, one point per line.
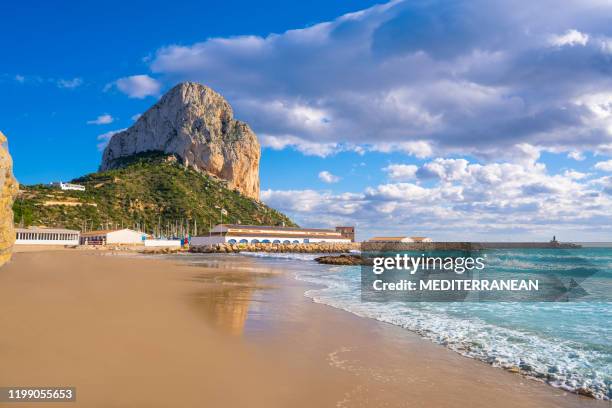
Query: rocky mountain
x=197, y=125
x=8, y=190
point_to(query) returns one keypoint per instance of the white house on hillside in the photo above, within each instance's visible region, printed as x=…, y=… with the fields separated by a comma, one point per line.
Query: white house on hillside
x=68, y=186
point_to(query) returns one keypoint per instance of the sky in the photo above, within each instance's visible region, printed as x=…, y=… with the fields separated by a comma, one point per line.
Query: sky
x=458, y=120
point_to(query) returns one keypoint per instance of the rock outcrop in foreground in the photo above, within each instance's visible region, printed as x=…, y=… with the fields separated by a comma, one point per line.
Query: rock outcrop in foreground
x=196, y=124
x=9, y=187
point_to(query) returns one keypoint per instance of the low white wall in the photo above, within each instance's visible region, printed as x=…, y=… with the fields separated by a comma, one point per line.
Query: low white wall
x=204, y=240
x=124, y=237
x=162, y=243
x=46, y=242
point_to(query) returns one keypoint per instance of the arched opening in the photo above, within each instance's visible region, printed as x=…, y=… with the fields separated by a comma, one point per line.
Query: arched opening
x=265, y=241
x=254, y=241
x=286, y=241
x=232, y=241
x=295, y=241
x=244, y=241
x=276, y=241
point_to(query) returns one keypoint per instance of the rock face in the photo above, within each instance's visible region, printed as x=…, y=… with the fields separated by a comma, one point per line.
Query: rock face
x=9, y=187
x=197, y=124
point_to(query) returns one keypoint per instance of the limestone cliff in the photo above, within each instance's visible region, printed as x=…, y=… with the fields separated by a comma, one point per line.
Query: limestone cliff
x=197, y=124
x=9, y=187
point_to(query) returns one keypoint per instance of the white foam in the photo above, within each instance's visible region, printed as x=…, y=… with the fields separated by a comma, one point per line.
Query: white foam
x=559, y=362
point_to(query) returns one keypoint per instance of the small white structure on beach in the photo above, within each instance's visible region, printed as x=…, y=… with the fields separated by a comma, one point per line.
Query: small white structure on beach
x=68, y=186
x=400, y=239
x=46, y=236
x=255, y=234
x=172, y=243
x=119, y=236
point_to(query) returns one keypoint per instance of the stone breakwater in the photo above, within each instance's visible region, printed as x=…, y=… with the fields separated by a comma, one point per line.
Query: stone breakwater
x=459, y=246
x=344, y=259
x=313, y=248
x=8, y=190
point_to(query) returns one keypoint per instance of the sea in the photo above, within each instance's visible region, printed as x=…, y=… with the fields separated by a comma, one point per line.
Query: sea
x=565, y=344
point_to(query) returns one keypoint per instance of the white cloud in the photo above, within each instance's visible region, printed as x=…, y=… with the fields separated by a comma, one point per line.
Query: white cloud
x=418, y=148
x=576, y=155
x=477, y=81
x=304, y=146
x=465, y=201
x=138, y=86
x=39, y=80
x=101, y=120
x=401, y=172
x=136, y=116
x=604, y=165
x=570, y=37
x=599, y=108
x=575, y=175
x=326, y=177
x=69, y=83
x=104, y=138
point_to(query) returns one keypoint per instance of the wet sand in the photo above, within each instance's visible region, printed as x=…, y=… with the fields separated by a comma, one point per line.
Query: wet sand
x=131, y=331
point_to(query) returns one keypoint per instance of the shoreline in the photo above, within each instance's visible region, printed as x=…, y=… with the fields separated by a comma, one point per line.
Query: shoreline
x=255, y=317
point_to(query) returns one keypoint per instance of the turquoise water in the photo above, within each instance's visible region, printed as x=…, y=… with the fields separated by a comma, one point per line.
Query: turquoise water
x=566, y=344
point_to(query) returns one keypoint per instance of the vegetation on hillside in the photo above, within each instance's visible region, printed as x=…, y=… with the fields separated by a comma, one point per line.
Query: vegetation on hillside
x=152, y=192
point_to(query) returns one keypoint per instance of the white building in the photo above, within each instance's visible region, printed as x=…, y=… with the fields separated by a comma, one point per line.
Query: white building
x=68, y=186
x=120, y=236
x=400, y=239
x=46, y=236
x=254, y=234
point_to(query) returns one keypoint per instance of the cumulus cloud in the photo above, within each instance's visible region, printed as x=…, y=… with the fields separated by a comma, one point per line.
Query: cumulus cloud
x=417, y=148
x=576, y=155
x=306, y=147
x=401, y=171
x=104, y=138
x=604, y=165
x=571, y=37
x=137, y=86
x=104, y=119
x=326, y=177
x=457, y=199
x=422, y=77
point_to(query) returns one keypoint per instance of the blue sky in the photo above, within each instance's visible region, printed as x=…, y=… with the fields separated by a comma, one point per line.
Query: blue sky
x=45, y=43
x=445, y=118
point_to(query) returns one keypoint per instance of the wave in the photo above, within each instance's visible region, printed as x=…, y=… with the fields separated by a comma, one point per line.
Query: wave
x=561, y=344
x=565, y=363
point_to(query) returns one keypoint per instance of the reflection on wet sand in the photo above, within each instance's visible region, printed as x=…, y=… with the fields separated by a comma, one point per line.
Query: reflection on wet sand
x=227, y=294
x=226, y=308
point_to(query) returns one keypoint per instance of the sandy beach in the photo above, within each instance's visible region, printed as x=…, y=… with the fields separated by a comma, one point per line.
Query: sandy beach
x=233, y=331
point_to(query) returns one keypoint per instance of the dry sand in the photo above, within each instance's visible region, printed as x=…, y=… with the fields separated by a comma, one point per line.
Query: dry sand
x=235, y=332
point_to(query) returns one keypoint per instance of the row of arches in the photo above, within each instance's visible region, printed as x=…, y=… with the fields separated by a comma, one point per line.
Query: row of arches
x=263, y=241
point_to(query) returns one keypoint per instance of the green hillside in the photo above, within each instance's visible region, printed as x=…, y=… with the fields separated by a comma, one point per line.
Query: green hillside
x=152, y=192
